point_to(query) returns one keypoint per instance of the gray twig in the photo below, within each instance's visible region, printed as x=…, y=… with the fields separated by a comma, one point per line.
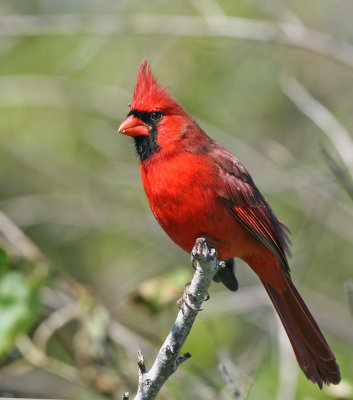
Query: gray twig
x=34, y=356
x=19, y=240
x=285, y=33
x=238, y=382
x=141, y=362
x=322, y=117
x=348, y=286
x=168, y=359
x=288, y=370
x=55, y=321
x=339, y=172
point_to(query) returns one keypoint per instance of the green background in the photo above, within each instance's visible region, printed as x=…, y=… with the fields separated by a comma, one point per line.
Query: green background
x=73, y=186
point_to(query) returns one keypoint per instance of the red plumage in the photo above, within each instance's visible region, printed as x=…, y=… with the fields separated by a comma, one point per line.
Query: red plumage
x=197, y=188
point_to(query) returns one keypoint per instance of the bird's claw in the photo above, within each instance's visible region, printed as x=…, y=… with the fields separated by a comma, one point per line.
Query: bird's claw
x=202, y=251
x=185, y=299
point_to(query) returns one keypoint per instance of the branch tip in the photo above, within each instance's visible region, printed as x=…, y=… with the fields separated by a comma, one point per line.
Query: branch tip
x=182, y=358
x=141, y=362
x=202, y=251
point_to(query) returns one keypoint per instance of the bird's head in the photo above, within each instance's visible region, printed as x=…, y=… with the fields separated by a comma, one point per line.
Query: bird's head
x=155, y=119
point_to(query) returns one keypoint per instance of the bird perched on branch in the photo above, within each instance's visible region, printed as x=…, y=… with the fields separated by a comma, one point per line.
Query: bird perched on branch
x=197, y=188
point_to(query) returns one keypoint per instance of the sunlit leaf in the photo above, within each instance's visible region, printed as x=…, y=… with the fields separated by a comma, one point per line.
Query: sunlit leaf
x=18, y=309
x=4, y=259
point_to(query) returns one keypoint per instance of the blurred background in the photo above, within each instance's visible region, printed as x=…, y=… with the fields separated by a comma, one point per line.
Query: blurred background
x=87, y=275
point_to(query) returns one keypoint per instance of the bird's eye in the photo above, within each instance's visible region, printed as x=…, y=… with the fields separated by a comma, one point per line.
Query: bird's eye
x=156, y=116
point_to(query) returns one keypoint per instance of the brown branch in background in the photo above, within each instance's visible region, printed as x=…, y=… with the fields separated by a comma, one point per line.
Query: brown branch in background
x=50, y=91
x=126, y=338
x=288, y=371
x=348, y=286
x=54, y=322
x=337, y=170
x=239, y=385
x=322, y=117
x=339, y=137
x=22, y=243
x=237, y=374
x=285, y=33
x=34, y=356
x=69, y=301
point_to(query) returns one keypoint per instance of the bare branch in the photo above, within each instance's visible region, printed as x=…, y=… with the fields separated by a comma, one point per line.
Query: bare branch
x=54, y=322
x=168, y=359
x=39, y=359
x=349, y=290
x=182, y=358
x=19, y=240
x=49, y=91
x=286, y=33
x=288, y=370
x=322, y=117
x=237, y=382
x=125, y=337
x=141, y=362
x=337, y=170
x=208, y=8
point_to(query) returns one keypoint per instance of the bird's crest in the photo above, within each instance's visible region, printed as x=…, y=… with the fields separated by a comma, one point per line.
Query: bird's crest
x=149, y=94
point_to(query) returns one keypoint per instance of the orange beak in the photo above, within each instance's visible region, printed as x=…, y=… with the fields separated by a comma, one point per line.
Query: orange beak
x=133, y=126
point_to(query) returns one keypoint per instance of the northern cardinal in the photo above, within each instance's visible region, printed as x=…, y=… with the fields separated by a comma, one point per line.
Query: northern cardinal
x=197, y=188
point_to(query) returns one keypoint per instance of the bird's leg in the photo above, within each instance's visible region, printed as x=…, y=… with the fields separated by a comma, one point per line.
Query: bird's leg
x=204, y=250
x=185, y=298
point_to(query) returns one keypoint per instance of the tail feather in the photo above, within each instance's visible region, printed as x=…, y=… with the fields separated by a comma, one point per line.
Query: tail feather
x=227, y=276
x=313, y=354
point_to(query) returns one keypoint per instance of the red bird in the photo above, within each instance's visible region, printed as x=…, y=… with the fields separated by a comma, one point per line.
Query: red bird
x=197, y=188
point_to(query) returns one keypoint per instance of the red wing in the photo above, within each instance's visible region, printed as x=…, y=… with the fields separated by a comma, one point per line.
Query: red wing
x=249, y=207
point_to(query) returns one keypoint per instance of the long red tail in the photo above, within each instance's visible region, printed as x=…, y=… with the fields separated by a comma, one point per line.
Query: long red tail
x=310, y=347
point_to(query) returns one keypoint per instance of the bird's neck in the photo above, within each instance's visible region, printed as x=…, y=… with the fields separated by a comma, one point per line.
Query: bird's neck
x=146, y=145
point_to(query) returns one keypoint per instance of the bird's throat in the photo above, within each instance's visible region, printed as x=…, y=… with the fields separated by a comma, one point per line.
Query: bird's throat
x=146, y=145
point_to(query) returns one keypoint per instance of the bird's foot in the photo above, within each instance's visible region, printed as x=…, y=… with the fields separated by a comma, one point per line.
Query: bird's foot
x=202, y=251
x=185, y=298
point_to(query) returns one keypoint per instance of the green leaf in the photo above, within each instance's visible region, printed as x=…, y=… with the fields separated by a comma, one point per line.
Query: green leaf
x=4, y=259
x=19, y=307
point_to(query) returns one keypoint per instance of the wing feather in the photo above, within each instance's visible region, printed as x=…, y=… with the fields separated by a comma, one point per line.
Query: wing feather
x=249, y=207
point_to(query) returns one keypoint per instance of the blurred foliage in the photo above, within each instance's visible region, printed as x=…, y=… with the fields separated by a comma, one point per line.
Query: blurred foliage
x=71, y=321
x=19, y=303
